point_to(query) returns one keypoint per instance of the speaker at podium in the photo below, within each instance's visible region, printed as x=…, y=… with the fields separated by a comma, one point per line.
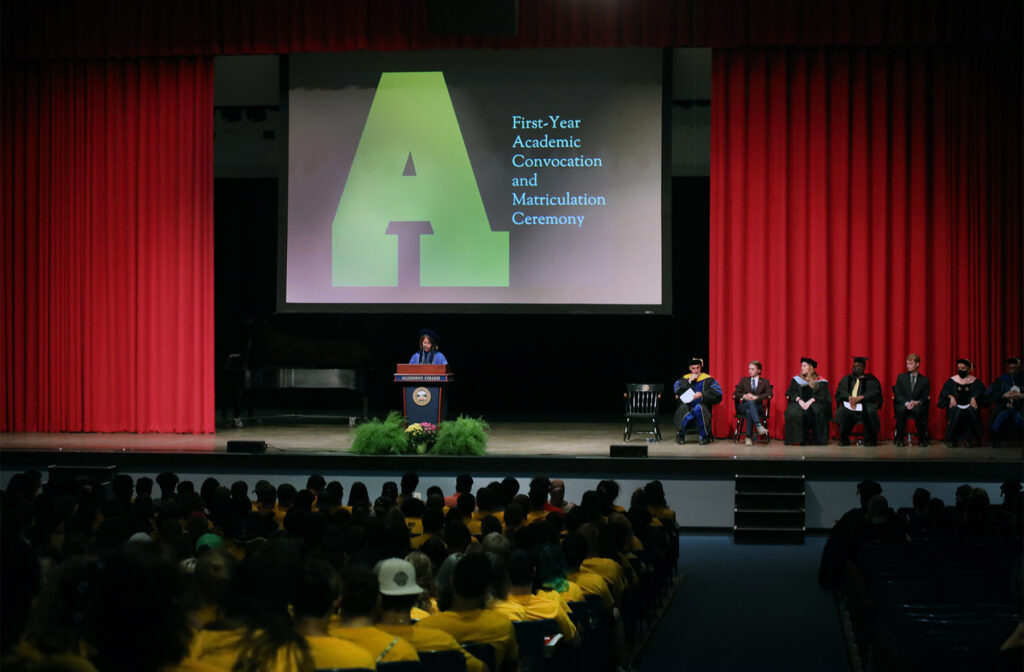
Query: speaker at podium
x=424, y=391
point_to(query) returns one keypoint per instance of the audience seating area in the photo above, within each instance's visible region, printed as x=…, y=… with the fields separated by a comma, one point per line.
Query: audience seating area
x=236, y=558
x=930, y=588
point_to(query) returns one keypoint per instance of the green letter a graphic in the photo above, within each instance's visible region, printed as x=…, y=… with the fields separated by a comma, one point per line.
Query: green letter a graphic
x=412, y=115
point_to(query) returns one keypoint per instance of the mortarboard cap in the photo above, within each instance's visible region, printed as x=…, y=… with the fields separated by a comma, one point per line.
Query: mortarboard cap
x=810, y=361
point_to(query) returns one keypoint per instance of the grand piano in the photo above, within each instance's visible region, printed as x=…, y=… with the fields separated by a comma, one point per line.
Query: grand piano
x=279, y=362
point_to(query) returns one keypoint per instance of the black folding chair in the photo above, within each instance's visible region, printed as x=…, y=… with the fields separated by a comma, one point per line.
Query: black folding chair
x=451, y=660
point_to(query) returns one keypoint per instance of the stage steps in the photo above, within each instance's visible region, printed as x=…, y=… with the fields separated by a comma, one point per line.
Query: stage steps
x=770, y=509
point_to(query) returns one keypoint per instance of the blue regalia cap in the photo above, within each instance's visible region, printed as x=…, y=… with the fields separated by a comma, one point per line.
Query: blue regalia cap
x=431, y=333
x=860, y=360
x=696, y=361
x=965, y=362
x=810, y=361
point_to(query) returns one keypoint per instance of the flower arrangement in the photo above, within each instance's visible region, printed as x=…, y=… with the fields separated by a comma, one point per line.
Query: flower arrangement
x=421, y=436
x=462, y=436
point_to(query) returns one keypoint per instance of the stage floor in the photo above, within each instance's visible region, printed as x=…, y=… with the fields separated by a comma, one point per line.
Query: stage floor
x=507, y=439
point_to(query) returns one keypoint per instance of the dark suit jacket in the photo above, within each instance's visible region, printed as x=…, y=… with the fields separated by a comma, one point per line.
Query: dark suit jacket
x=763, y=391
x=903, y=393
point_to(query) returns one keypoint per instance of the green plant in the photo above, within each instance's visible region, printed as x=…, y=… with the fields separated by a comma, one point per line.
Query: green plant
x=462, y=436
x=381, y=438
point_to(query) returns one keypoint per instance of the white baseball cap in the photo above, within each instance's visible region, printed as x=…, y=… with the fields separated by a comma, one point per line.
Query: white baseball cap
x=396, y=577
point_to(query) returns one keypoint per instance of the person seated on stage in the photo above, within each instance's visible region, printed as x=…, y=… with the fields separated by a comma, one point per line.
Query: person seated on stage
x=810, y=407
x=1007, y=397
x=399, y=593
x=466, y=619
x=858, y=398
x=751, y=394
x=428, y=352
x=910, y=397
x=355, y=624
x=961, y=396
x=317, y=596
x=696, y=392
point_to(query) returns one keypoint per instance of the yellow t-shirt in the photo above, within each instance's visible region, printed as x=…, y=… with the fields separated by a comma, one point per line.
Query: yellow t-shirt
x=662, y=513
x=610, y=571
x=592, y=583
x=332, y=652
x=220, y=649
x=418, y=541
x=415, y=526
x=377, y=642
x=417, y=614
x=432, y=639
x=513, y=610
x=478, y=626
x=572, y=593
x=548, y=605
x=531, y=516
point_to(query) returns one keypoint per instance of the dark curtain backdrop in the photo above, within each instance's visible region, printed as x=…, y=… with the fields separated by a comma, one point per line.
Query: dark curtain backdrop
x=107, y=246
x=865, y=202
x=132, y=28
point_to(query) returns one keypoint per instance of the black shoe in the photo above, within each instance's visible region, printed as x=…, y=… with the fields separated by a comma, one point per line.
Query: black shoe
x=870, y=444
x=923, y=442
x=703, y=441
x=844, y=442
x=898, y=443
x=680, y=438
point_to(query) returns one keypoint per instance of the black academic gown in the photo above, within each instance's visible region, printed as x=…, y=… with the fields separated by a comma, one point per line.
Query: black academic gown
x=815, y=419
x=962, y=422
x=871, y=390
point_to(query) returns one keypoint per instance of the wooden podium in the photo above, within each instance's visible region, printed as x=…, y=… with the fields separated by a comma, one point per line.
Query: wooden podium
x=424, y=388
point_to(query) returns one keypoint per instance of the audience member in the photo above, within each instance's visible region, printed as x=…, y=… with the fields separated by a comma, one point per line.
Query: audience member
x=359, y=597
x=466, y=619
x=399, y=593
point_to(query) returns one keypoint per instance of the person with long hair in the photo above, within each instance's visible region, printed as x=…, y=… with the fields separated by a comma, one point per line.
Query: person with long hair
x=257, y=632
x=810, y=406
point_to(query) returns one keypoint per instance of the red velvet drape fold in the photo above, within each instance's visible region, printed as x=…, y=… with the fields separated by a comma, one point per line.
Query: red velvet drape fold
x=107, y=242
x=864, y=202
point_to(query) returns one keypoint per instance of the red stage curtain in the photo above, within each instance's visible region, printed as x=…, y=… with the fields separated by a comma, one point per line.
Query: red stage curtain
x=864, y=202
x=107, y=242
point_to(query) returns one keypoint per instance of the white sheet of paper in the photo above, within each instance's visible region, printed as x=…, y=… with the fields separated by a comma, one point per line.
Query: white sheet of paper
x=687, y=396
x=851, y=408
x=962, y=406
